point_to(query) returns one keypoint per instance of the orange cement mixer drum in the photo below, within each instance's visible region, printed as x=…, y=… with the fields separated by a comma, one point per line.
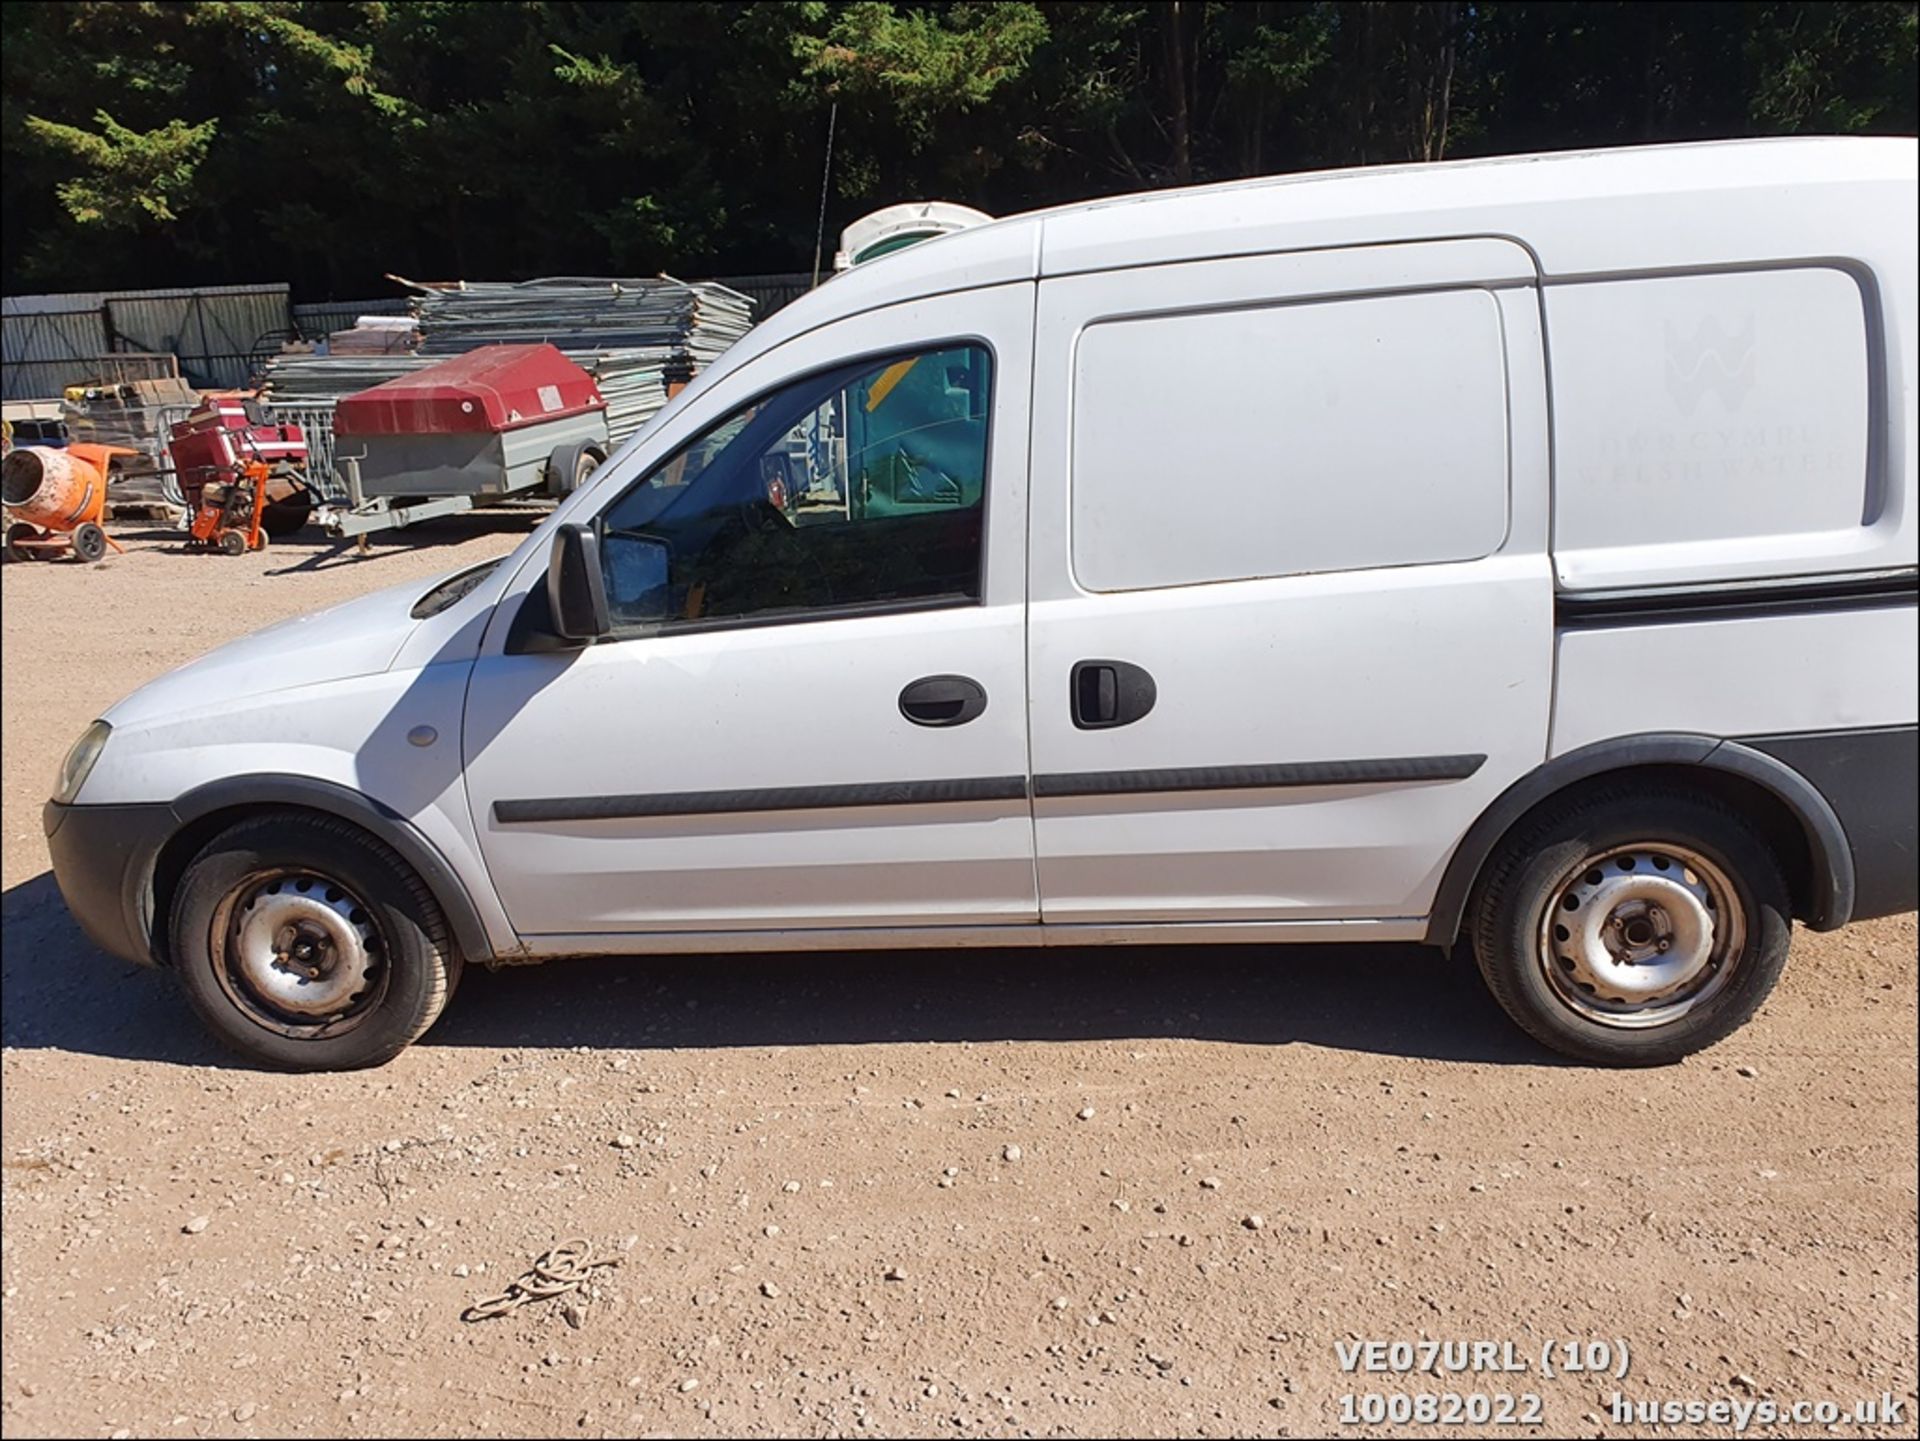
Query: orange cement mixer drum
x=52, y=488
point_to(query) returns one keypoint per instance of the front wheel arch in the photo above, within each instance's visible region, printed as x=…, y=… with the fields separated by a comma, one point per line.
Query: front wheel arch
x=1799, y=825
x=207, y=810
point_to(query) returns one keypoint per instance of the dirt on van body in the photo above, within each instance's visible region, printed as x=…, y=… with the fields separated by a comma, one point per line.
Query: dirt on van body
x=1090, y=1193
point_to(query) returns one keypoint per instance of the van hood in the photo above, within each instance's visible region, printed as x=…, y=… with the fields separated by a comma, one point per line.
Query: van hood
x=358, y=637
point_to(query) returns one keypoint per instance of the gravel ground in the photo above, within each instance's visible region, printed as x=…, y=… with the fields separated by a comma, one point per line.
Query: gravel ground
x=1133, y=1191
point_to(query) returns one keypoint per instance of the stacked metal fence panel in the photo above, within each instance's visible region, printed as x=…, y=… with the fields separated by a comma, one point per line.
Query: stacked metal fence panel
x=637, y=337
x=580, y=313
x=302, y=390
x=316, y=422
x=318, y=320
x=323, y=379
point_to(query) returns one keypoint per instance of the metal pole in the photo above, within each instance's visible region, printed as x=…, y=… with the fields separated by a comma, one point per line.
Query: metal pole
x=826, y=170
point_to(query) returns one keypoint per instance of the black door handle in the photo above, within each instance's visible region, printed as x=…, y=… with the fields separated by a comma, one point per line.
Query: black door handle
x=1108, y=693
x=943, y=700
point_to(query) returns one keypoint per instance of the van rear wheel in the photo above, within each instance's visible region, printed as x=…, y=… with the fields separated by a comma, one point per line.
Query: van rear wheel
x=304, y=943
x=1632, y=927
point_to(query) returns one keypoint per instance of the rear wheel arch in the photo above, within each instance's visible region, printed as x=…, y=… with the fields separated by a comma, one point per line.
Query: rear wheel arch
x=1799, y=825
x=210, y=809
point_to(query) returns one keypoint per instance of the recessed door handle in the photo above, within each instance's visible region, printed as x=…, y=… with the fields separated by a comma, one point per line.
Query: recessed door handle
x=1107, y=693
x=943, y=700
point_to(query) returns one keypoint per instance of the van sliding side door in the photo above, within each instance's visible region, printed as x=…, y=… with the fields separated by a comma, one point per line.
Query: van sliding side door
x=1290, y=597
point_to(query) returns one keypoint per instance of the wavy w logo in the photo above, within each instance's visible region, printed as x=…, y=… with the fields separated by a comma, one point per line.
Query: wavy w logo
x=1710, y=359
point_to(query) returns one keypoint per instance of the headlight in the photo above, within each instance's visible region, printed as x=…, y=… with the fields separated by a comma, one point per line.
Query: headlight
x=79, y=762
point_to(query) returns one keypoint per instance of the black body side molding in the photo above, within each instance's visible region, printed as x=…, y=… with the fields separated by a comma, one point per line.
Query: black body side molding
x=767, y=798
x=988, y=788
x=1672, y=605
x=1385, y=771
x=1833, y=865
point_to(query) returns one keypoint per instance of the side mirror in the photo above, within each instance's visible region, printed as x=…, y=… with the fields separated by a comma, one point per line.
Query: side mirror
x=576, y=589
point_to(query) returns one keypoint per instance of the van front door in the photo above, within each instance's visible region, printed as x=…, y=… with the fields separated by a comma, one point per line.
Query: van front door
x=1291, y=602
x=811, y=711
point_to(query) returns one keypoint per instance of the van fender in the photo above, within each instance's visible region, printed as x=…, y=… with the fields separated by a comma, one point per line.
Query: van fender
x=380, y=821
x=1832, y=869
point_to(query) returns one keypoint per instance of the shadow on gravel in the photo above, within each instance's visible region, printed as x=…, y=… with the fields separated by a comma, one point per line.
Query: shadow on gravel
x=1389, y=1000
x=61, y=993
x=313, y=549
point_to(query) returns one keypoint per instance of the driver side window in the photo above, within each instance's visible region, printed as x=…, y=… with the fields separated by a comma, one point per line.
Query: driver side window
x=859, y=487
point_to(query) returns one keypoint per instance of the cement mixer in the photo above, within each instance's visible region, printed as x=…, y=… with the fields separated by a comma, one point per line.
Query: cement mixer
x=55, y=498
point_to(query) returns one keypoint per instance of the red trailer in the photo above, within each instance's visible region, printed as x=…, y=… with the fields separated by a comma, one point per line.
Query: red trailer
x=499, y=421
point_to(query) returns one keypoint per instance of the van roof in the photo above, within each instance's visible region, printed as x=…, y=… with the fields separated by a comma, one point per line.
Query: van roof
x=1580, y=212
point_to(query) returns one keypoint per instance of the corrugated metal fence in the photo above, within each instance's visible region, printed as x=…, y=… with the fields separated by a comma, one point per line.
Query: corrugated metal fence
x=48, y=342
x=769, y=292
x=219, y=334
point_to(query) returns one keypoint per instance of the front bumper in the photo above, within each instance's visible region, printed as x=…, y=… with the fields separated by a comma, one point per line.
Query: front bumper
x=103, y=859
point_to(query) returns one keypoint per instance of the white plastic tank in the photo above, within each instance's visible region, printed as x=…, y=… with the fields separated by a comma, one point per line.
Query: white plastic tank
x=898, y=226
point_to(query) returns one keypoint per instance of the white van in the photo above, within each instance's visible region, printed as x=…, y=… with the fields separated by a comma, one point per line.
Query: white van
x=1516, y=550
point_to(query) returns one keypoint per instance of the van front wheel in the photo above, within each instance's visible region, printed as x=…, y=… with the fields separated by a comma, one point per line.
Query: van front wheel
x=306, y=944
x=1632, y=927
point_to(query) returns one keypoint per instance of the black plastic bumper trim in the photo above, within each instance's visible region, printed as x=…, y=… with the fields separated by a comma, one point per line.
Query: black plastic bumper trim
x=103, y=860
x=1871, y=778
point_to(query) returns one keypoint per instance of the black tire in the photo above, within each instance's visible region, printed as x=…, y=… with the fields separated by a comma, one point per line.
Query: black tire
x=1542, y=864
x=414, y=968
x=17, y=533
x=569, y=467
x=285, y=516
x=89, y=542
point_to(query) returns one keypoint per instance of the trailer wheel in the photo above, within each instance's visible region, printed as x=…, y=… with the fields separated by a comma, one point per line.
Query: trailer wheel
x=568, y=469
x=89, y=542
x=17, y=535
x=286, y=515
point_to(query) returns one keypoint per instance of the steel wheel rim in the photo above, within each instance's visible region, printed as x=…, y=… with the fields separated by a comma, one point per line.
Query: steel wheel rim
x=299, y=953
x=1639, y=935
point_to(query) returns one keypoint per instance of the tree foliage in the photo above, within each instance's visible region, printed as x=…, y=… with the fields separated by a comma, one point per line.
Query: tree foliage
x=328, y=142
x=127, y=178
